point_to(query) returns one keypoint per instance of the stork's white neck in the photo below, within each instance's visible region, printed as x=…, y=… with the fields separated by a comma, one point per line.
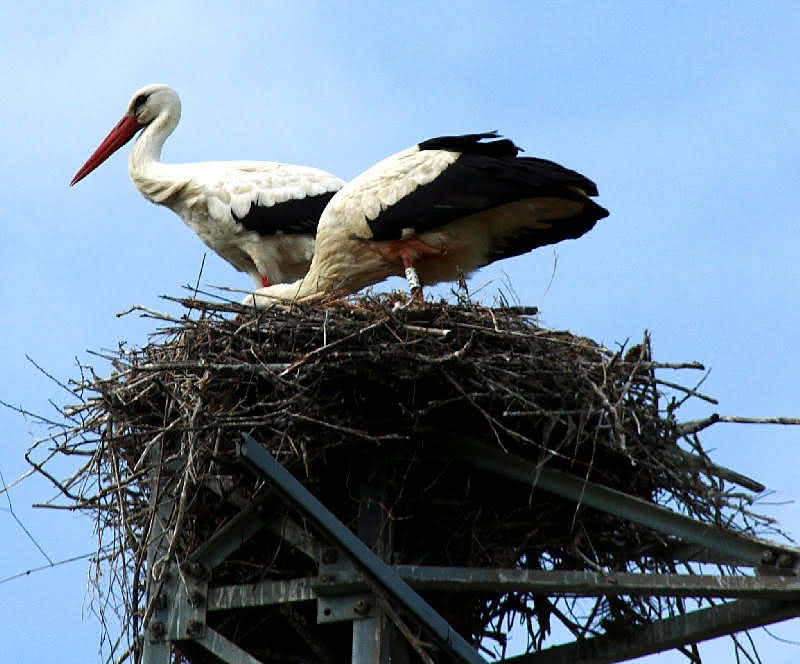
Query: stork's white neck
x=150, y=176
x=147, y=147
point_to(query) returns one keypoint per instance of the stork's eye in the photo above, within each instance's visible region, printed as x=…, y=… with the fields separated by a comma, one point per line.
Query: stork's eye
x=138, y=102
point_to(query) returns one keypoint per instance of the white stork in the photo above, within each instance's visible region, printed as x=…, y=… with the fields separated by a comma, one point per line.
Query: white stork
x=439, y=210
x=260, y=216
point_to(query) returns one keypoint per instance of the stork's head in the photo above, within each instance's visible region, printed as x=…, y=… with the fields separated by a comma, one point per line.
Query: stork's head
x=153, y=102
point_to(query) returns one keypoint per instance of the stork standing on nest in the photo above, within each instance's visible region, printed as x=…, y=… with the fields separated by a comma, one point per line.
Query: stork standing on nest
x=260, y=216
x=440, y=210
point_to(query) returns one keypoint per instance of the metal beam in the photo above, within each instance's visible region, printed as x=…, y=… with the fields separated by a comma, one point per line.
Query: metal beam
x=692, y=627
x=226, y=650
x=228, y=539
x=298, y=496
x=573, y=583
x=260, y=594
x=185, y=606
x=475, y=579
x=376, y=639
x=295, y=534
x=156, y=649
x=367, y=641
x=693, y=553
x=592, y=584
x=731, y=544
x=282, y=526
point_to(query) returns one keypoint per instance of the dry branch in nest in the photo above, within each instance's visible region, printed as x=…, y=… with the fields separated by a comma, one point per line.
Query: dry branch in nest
x=358, y=392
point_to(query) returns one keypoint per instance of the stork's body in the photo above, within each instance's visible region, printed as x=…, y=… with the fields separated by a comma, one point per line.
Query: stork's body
x=259, y=216
x=442, y=209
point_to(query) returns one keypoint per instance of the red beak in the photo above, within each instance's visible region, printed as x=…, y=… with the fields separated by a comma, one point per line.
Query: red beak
x=116, y=138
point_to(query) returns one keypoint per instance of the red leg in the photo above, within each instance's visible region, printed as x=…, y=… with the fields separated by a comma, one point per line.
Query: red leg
x=264, y=281
x=408, y=250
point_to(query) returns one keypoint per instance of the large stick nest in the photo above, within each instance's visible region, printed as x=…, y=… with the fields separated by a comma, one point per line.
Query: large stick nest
x=356, y=395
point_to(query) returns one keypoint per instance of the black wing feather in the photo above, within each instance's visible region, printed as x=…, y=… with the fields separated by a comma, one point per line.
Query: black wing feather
x=471, y=143
x=477, y=181
x=297, y=216
x=526, y=238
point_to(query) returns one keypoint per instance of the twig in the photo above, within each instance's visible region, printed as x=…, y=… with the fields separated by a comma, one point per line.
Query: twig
x=434, y=331
x=213, y=366
x=688, y=391
x=695, y=426
x=27, y=413
x=50, y=376
x=455, y=355
x=148, y=313
x=790, y=421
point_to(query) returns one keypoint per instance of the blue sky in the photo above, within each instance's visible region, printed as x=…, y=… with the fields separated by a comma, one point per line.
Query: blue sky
x=685, y=114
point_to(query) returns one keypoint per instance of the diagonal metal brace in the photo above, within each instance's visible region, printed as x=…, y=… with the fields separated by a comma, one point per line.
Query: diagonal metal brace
x=228, y=539
x=297, y=495
x=733, y=545
x=225, y=650
x=693, y=627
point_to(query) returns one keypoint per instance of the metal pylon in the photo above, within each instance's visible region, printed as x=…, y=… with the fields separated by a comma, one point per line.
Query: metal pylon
x=351, y=577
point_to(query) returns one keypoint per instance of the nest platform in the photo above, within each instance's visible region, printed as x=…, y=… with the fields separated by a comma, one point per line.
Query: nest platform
x=368, y=404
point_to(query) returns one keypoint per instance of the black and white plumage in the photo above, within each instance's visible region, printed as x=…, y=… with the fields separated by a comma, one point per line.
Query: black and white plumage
x=439, y=210
x=259, y=216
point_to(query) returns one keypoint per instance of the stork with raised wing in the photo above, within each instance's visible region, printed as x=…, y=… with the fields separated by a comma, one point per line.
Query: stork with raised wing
x=439, y=210
x=260, y=216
